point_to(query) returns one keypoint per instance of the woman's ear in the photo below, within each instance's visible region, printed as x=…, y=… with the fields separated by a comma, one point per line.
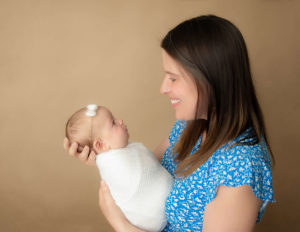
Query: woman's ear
x=100, y=146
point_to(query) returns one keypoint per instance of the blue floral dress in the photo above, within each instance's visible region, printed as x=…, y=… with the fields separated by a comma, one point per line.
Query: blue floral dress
x=230, y=166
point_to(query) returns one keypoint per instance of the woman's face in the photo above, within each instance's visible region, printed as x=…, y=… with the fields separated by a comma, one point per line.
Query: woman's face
x=179, y=87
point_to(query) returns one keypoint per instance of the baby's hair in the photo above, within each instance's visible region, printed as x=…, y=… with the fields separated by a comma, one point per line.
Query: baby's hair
x=77, y=130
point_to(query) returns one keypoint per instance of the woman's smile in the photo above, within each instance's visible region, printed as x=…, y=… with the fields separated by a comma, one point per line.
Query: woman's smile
x=175, y=102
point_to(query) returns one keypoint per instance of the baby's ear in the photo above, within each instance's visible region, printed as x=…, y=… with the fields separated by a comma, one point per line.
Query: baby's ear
x=100, y=146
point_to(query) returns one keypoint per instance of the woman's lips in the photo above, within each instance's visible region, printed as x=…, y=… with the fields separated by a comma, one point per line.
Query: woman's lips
x=175, y=102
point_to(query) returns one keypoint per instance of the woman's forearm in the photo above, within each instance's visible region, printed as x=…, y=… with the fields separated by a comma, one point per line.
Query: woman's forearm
x=126, y=226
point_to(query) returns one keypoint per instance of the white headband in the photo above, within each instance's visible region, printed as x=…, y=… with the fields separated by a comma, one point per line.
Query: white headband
x=91, y=110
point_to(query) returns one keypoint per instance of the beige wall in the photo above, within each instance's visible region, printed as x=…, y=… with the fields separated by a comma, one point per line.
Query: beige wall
x=59, y=55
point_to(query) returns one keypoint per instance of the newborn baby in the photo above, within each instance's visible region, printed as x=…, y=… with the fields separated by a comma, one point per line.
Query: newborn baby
x=137, y=181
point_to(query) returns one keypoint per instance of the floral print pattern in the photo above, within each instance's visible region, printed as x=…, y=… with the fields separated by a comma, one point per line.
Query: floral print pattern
x=231, y=165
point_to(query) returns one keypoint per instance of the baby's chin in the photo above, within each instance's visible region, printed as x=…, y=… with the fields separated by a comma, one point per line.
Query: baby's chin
x=126, y=144
x=127, y=139
x=121, y=145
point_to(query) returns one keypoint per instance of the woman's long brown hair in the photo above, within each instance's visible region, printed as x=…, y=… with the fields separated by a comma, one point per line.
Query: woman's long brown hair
x=212, y=50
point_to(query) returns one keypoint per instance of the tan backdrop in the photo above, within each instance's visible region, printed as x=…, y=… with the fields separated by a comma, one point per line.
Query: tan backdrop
x=59, y=55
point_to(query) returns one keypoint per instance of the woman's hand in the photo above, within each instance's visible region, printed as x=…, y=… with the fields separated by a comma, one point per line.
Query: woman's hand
x=112, y=212
x=85, y=156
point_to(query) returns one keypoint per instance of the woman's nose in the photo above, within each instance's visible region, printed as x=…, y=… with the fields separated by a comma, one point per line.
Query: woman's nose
x=120, y=121
x=165, y=87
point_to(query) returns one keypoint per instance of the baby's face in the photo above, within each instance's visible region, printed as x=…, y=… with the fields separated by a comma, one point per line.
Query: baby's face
x=111, y=131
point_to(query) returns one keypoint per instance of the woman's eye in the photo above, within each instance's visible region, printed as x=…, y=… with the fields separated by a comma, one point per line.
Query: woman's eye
x=172, y=79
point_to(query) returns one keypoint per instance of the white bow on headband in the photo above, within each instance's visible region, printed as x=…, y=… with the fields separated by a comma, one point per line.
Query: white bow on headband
x=91, y=110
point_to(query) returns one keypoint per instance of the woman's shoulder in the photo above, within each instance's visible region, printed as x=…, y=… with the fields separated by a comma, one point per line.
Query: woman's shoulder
x=236, y=164
x=247, y=151
x=243, y=164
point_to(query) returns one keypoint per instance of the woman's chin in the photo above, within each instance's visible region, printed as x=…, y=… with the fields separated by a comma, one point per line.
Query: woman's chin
x=185, y=117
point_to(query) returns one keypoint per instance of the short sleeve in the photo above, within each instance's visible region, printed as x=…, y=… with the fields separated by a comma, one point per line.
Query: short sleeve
x=242, y=165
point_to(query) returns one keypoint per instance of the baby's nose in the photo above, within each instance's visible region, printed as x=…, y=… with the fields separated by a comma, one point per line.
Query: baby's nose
x=121, y=121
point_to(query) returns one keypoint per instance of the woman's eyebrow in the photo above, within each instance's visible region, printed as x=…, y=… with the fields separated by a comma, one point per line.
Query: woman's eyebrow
x=172, y=73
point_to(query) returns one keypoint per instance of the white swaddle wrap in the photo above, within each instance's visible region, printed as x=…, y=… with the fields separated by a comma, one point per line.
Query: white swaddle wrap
x=138, y=183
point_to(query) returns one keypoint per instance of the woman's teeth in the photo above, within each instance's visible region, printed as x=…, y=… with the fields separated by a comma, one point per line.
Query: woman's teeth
x=174, y=101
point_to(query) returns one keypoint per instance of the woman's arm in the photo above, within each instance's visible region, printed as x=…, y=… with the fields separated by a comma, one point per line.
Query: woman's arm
x=161, y=148
x=113, y=213
x=234, y=209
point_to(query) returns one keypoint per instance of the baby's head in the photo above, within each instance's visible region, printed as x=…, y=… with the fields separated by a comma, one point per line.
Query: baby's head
x=95, y=126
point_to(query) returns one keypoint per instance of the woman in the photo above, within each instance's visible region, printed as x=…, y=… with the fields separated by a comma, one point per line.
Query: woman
x=218, y=150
